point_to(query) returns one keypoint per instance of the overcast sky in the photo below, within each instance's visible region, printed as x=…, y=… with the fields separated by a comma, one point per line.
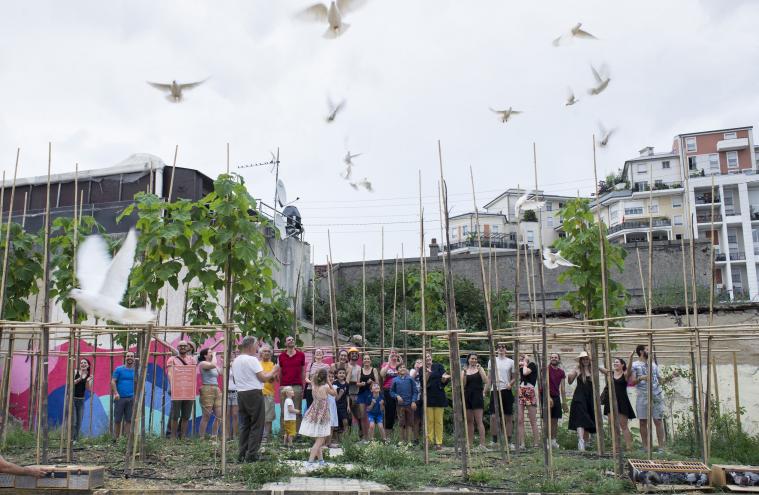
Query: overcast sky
x=412, y=72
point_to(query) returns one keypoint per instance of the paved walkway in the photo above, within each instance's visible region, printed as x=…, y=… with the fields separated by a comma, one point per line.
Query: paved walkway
x=305, y=483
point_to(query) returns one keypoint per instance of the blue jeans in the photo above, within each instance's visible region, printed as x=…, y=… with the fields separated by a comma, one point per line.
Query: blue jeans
x=78, y=414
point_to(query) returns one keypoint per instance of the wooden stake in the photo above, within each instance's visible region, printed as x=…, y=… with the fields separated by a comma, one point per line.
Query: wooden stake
x=382, y=294
x=45, y=348
x=423, y=326
x=642, y=283
x=716, y=385
x=395, y=303
x=332, y=299
x=616, y=445
x=363, y=298
x=453, y=322
x=503, y=438
x=737, y=393
x=403, y=291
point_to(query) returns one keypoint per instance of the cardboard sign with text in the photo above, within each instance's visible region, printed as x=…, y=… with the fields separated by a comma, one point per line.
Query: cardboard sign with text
x=184, y=381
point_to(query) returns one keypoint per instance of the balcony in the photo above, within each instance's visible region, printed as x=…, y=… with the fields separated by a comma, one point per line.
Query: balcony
x=754, y=213
x=737, y=256
x=658, y=186
x=707, y=218
x=720, y=257
x=732, y=144
x=639, y=224
x=495, y=241
x=706, y=199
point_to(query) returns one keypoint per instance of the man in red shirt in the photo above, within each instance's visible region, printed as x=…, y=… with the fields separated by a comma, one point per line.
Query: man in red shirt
x=556, y=378
x=291, y=364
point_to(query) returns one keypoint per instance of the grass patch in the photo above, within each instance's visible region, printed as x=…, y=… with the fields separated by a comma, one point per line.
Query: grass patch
x=255, y=474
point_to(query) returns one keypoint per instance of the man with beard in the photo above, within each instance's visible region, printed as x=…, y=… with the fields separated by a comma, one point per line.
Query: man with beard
x=181, y=410
x=122, y=387
x=291, y=364
x=354, y=375
x=556, y=378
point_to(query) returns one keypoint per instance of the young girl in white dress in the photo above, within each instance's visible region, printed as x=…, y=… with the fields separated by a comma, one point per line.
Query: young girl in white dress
x=317, y=422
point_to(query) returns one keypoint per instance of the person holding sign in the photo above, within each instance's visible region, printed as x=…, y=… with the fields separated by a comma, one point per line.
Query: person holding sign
x=182, y=378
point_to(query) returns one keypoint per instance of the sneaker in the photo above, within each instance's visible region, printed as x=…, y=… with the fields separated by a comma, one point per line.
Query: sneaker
x=512, y=446
x=581, y=445
x=554, y=444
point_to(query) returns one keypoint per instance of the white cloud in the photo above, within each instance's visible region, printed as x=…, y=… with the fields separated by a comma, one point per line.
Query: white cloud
x=413, y=72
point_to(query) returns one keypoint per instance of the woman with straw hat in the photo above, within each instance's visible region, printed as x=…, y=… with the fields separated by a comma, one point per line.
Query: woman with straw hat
x=581, y=412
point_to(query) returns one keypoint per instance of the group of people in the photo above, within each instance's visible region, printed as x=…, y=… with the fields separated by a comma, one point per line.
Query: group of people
x=355, y=392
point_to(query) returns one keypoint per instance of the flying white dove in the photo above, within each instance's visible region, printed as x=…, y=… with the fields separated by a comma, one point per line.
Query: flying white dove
x=602, y=79
x=333, y=15
x=362, y=183
x=333, y=109
x=571, y=99
x=348, y=158
x=175, y=89
x=554, y=260
x=505, y=115
x=103, y=281
x=575, y=32
x=524, y=203
x=604, y=135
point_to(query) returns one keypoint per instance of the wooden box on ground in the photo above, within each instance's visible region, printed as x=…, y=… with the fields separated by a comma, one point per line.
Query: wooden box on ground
x=662, y=467
x=65, y=478
x=720, y=478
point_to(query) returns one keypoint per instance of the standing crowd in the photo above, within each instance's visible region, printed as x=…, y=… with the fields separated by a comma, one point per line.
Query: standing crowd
x=376, y=398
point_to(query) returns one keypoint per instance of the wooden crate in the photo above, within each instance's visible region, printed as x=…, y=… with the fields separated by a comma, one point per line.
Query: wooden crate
x=719, y=477
x=65, y=478
x=662, y=466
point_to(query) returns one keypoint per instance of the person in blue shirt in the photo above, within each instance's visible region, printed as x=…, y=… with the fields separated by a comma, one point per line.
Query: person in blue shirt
x=375, y=413
x=406, y=393
x=122, y=387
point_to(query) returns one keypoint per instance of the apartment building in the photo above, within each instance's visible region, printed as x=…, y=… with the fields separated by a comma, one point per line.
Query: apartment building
x=498, y=227
x=704, y=172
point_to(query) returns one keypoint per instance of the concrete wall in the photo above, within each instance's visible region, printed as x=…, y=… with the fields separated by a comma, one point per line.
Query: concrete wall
x=667, y=271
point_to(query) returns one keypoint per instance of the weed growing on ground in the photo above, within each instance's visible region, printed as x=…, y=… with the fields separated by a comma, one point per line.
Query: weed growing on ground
x=255, y=474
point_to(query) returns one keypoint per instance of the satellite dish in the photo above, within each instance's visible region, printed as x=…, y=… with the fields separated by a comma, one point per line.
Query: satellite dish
x=281, y=224
x=281, y=193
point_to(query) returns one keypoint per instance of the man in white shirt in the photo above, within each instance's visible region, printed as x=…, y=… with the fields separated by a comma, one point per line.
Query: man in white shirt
x=503, y=383
x=249, y=380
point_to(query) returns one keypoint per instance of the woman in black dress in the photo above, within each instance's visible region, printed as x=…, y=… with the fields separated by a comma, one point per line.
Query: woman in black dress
x=581, y=412
x=625, y=411
x=475, y=381
x=82, y=382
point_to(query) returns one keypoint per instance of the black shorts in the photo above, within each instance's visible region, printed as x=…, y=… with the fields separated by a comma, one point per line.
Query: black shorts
x=122, y=410
x=342, y=416
x=181, y=409
x=507, y=397
x=556, y=411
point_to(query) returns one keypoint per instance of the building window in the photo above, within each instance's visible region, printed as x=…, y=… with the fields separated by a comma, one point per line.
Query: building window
x=678, y=220
x=561, y=205
x=642, y=168
x=737, y=281
x=653, y=208
x=677, y=202
x=531, y=237
x=641, y=186
x=549, y=222
x=690, y=144
x=731, y=135
x=678, y=236
x=732, y=159
x=454, y=232
x=549, y=206
x=732, y=238
x=692, y=163
x=634, y=210
x=665, y=164
x=755, y=236
x=494, y=229
x=714, y=161
x=466, y=230
x=614, y=216
x=659, y=182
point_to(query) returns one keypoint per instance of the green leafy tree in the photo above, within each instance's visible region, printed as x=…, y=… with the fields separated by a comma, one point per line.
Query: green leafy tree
x=23, y=271
x=62, y=255
x=529, y=216
x=581, y=246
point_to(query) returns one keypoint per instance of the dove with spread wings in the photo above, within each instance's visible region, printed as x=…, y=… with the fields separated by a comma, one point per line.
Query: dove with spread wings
x=175, y=89
x=332, y=15
x=554, y=260
x=103, y=281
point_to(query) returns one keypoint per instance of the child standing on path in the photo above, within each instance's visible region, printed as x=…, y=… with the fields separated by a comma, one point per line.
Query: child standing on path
x=316, y=422
x=375, y=413
x=343, y=416
x=290, y=415
x=405, y=392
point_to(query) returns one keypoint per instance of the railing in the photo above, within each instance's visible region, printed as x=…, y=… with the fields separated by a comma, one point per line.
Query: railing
x=731, y=211
x=707, y=218
x=497, y=241
x=754, y=213
x=706, y=199
x=658, y=186
x=737, y=256
x=756, y=250
x=720, y=257
x=639, y=224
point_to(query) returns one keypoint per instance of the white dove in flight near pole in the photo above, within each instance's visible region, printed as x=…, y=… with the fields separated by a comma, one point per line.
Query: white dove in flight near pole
x=524, y=203
x=571, y=99
x=334, y=109
x=103, y=280
x=602, y=79
x=575, y=32
x=505, y=115
x=175, y=89
x=554, y=260
x=333, y=15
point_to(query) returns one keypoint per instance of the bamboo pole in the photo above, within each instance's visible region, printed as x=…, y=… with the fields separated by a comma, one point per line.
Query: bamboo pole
x=708, y=398
x=642, y=283
x=503, y=438
x=716, y=384
x=515, y=330
x=46, y=313
x=423, y=326
x=650, y=381
x=332, y=306
x=382, y=294
x=3, y=279
x=313, y=299
x=616, y=445
x=363, y=297
x=403, y=291
x=71, y=363
x=649, y=391
x=453, y=322
x=395, y=303
x=737, y=392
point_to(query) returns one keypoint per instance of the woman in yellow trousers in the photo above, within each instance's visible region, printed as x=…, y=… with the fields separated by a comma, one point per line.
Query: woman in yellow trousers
x=437, y=401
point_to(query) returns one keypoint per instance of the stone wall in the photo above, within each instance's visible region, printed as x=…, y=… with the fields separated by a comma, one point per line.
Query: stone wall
x=667, y=271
